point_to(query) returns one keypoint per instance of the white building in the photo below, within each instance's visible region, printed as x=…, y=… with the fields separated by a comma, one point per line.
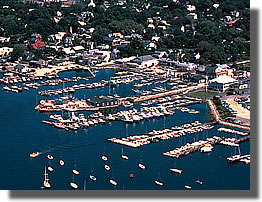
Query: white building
x=221, y=83
x=5, y=51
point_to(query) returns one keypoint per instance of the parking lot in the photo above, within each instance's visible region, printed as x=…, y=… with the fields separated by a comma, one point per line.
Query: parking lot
x=240, y=115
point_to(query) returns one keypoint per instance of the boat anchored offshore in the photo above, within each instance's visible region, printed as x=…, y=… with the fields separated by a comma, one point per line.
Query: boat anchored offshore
x=113, y=182
x=61, y=162
x=159, y=183
x=46, y=183
x=50, y=169
x=107, y=167
x=188, y=187
x=92, y=177
x=32, y=155
x=75, y=172
x=175, y=170
x=199, y=182
x=104, y=158
x=140, y=165
x=50, y=157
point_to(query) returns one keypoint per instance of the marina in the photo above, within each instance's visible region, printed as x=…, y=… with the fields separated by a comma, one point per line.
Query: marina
x=162, y=120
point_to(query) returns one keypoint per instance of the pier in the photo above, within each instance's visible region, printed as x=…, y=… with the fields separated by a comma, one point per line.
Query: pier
x=168, y=93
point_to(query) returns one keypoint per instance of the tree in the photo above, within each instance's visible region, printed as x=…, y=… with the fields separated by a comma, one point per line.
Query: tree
x=18, y=51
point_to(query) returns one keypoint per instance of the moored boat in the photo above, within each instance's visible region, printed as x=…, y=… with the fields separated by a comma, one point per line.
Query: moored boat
x=140, y=165
x=32, y=155
x=92, y=177
x=113, y=182
x=73, y=185
x=159, y=183
x=61, y=162
x=104, y=158
x=107, y=167
x=76, y=172
x=175, y=170
x=188, y=187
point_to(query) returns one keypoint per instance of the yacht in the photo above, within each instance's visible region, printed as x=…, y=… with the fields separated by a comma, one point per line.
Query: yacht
x=175, y=170
x=188, y=187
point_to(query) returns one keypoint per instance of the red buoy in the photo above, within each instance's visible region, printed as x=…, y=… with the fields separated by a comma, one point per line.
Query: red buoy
x=131, y=175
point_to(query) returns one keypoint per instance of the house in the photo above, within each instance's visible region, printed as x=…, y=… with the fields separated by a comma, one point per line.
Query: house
x=145, y=61
x=221, y=83
x=119, y=35
x=38, y=64
x=218, y=70
x=5, y=51
x=149, y=45
x=112, y=41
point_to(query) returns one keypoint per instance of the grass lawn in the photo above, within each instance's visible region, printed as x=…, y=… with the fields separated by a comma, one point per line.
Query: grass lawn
x=202, y=94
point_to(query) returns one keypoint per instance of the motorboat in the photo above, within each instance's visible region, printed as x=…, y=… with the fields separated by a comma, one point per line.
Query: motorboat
x=50, y=169
x=188, y=187
x=175, y=170
x=50, y=157
x=140, y=165
x=159, y=183
x=107, y=167
x=34, y=154
x=104, y=158
x=92, y=177
x=73, y=185
x=199, y=182
x=61, y=162
x=76, y=172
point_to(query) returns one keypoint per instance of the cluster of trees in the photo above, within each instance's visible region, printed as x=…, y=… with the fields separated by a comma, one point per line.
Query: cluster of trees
x=207, y=35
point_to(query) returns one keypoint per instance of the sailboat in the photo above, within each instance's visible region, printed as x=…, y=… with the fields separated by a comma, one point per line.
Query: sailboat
x=107, y=167
x=159, y=182
x=92, y=177
x=124, y=156
x=61, y=162
x=73, y=184
x=113, y=182
x=46, y=184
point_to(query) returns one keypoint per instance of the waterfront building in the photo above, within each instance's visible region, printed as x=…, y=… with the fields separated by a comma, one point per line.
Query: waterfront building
x=221, y=83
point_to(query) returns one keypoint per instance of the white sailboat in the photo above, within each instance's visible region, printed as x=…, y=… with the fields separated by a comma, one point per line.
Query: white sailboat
x=124, y=156
x=73, y=184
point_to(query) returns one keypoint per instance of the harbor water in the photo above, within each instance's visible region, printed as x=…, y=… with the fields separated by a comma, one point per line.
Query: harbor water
x=22, y=132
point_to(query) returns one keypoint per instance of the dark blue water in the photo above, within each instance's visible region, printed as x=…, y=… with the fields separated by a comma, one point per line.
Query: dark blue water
x=22, y=133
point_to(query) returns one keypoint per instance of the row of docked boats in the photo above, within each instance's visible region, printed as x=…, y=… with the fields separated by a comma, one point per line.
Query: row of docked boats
x=236, y=132
x=203, y=145
x=157, y=135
